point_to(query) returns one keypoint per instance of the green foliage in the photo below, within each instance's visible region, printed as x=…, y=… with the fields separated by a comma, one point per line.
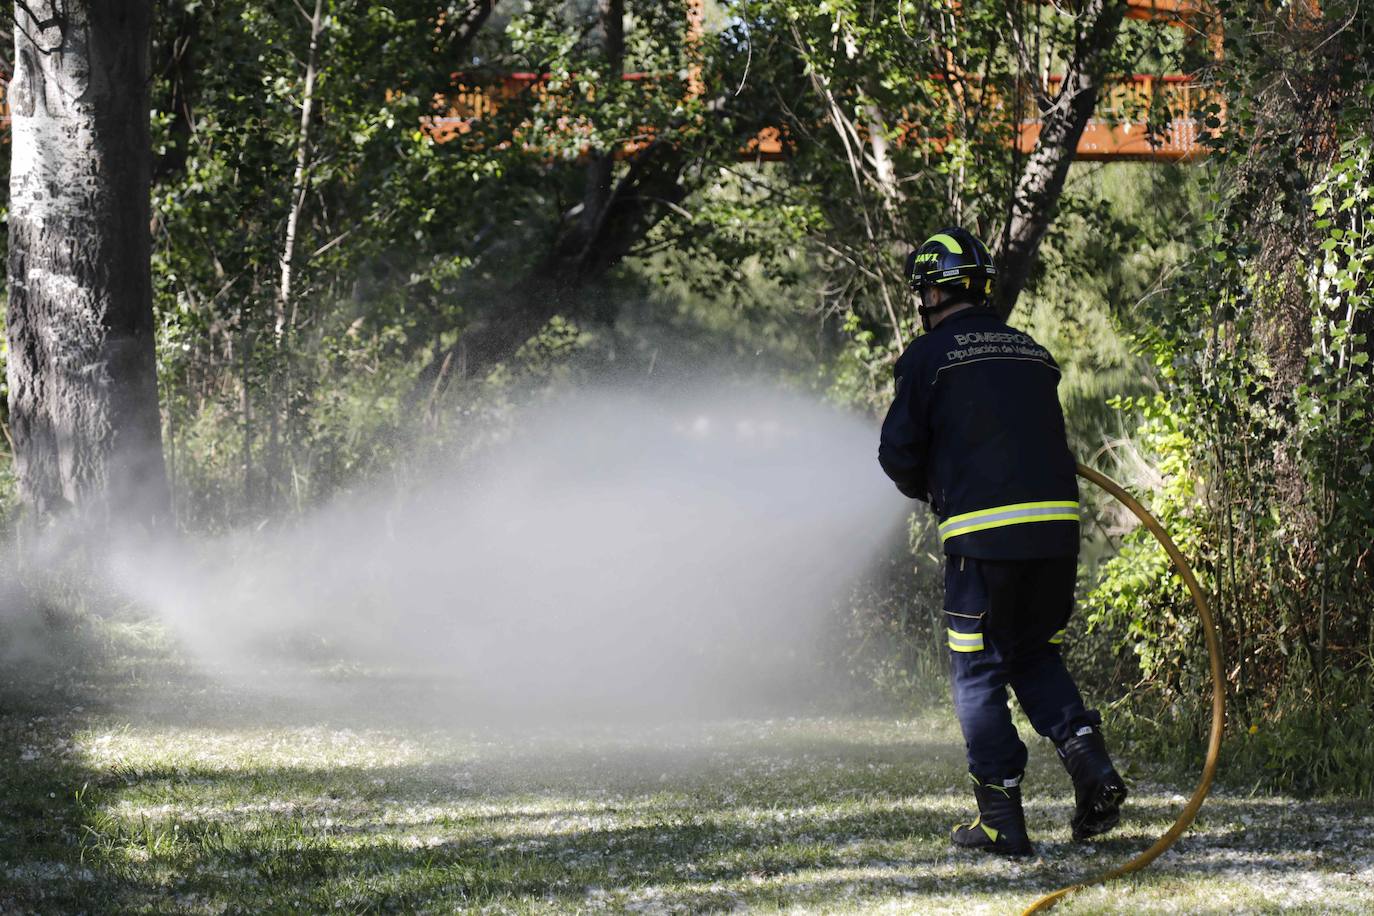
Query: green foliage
x=901, y=119
x=1261, y=439
x=1118, y=231
x=892, y=138
x=1253, y=318
x=252, y=373
x=863, y=369
x=276, y=399
x=892, y=643
x=1137, y=594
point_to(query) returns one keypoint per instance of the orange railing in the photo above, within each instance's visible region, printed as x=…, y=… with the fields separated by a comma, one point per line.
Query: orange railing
x=1168, y=12
x=1120, y=131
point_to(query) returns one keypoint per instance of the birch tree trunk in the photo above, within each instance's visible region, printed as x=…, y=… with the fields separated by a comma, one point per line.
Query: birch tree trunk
x=286, y=309
x=82, y=375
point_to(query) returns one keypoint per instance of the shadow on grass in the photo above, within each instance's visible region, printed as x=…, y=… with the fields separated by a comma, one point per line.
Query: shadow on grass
x=714, y=861
x=300, y=839
x=760, y=819
x=42, y=810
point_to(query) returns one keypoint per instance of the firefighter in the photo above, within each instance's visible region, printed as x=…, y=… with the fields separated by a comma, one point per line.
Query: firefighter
x=975, y=429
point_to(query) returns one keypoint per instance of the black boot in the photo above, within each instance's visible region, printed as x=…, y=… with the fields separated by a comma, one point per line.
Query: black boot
x=1000, y=826
x=1098, y=789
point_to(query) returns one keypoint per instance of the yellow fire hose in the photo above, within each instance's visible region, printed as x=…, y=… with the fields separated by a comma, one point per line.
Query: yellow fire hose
x=1209, y=769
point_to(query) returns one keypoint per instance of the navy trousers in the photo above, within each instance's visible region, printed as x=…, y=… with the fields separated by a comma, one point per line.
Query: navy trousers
x=1005, y=622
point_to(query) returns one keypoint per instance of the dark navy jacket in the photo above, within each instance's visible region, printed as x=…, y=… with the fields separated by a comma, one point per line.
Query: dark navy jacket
x=976, y=431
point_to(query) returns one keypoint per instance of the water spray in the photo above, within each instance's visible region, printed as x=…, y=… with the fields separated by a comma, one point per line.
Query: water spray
x=1209, y=768
x=627, y=550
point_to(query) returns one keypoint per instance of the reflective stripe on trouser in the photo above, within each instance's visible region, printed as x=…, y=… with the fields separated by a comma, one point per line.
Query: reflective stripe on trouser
x=1003, y=603
x=973, y=642
x=964, y=642
x=1062, y=510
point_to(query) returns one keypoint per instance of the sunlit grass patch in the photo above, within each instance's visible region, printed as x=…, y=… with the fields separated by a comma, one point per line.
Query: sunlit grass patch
x=791, y=815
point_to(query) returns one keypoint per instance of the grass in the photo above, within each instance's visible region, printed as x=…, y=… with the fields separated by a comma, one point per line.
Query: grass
x=181, y=797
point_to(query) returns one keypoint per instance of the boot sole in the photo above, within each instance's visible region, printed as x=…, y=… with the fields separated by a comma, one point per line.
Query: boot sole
x=1104, y=813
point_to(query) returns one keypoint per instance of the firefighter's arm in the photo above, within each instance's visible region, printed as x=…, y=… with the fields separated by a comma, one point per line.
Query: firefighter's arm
x=902, y=449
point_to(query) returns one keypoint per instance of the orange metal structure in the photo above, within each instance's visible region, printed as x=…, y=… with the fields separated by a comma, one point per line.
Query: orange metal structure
x=1123, y=134
x=1169, y=12
x=1120, y=133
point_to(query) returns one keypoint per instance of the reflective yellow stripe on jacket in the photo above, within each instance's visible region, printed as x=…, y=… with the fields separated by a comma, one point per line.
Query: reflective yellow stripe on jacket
x=1001, y=516
x=965, y=642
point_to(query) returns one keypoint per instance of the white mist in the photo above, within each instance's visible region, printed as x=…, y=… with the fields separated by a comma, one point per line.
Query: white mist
x=619, y=553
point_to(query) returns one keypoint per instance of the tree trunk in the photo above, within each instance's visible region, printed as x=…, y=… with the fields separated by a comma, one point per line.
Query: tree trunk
x=601, y=162
x=82, y=374
x=1042, y=178
x=286, y=309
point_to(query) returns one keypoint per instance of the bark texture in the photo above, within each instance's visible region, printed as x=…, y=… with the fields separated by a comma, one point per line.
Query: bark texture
x=81, y=370
x=1042, y=177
